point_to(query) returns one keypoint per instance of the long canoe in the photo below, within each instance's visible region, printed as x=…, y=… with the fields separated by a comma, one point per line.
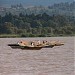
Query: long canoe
x=25, y=47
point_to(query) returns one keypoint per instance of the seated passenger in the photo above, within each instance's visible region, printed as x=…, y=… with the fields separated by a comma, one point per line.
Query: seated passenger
x=44, y=42
x=39, y=42
x=32, y=43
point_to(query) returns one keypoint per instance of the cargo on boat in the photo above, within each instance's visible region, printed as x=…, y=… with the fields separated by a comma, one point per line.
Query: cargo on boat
x=35, y=45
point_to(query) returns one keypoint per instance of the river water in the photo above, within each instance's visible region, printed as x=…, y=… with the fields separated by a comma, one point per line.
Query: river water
x=58, y=60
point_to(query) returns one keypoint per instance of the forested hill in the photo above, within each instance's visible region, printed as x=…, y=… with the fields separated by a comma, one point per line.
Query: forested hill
x=61, y=8
x=37, y=25
x=38, y=21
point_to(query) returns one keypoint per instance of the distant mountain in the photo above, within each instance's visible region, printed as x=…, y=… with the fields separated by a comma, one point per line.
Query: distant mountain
x=7, y=3
x=66, y=8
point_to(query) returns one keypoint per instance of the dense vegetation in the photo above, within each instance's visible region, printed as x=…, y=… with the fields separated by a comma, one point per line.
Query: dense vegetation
x=37, y=25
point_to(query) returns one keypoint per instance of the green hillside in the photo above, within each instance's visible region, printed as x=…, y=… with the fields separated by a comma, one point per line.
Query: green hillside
x=55, y=20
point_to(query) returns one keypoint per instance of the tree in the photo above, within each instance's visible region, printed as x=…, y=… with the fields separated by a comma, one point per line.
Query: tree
x=7, y=28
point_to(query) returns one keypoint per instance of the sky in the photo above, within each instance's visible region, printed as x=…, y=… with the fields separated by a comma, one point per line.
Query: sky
x=31, y=2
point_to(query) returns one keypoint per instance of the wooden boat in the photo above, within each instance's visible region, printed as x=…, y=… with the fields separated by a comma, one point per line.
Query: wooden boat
x=17, y=46
x=14, y=46
x=31, y=47
x=35, y=46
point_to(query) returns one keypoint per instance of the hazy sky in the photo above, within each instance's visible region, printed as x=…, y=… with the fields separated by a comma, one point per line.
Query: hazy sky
x=31, y=2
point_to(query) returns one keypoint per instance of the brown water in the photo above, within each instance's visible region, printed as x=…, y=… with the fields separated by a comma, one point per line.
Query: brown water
x=47, y=61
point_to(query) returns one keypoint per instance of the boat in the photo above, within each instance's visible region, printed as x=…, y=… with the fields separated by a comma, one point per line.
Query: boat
x=14, y=46
x=31, y=47
x=35, y=45
x=17, y=46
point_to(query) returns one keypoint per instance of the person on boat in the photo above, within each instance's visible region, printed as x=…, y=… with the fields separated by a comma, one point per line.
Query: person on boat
x=23, y=43
x=38, y=43
x=32, y=43
x=44, y=42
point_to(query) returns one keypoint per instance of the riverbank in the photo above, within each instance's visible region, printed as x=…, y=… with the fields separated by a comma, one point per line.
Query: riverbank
x=31, y=35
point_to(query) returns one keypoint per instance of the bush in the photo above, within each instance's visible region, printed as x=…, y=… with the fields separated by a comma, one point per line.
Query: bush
x=32, y=35
x=24, y=35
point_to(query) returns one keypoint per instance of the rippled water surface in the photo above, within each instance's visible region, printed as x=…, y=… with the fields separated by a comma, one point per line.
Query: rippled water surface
x=47, y=61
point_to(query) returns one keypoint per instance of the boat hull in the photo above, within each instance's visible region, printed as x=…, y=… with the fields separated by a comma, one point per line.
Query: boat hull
x=14, y=46
x=31, y=48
